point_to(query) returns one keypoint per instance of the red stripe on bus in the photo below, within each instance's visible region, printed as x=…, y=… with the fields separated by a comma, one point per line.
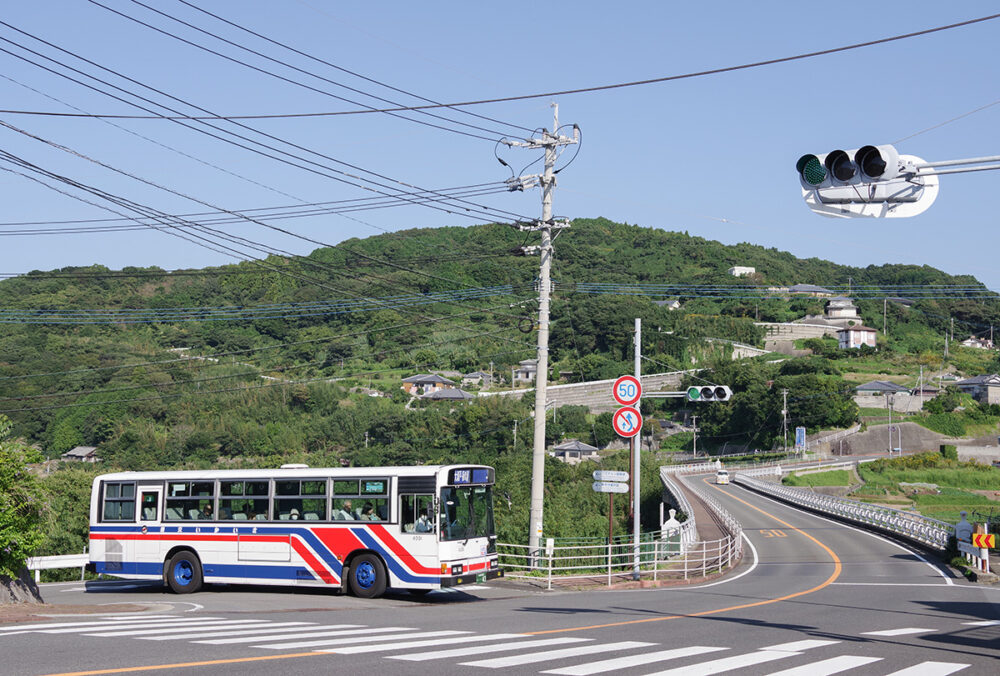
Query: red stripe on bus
x=313, y=563
x=340, y=541
x=404, y=556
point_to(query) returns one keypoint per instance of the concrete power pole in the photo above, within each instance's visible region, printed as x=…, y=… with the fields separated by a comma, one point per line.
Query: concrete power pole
x=694, y=441
x=784, y=418
x=549, y=142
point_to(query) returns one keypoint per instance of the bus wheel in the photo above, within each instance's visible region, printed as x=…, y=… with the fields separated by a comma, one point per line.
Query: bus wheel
x=367, y=576
x=184, y=573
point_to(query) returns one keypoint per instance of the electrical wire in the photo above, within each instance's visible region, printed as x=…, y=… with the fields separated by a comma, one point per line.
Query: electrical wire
x=564, y=92
x=461, y=207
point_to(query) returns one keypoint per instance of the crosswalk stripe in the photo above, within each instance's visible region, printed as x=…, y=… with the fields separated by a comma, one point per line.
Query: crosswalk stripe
x=30, y=626
x=218, y=624
x=530, y=658
x=359, y=639
x=930, y=669
x=727, y=663
x=449, y=640
x=111, y=627
x=481, y=650
x=633, y=661
x=271, y=628
x=316, y=630
x=834, y=665
x=903, y=631
x=796, y=646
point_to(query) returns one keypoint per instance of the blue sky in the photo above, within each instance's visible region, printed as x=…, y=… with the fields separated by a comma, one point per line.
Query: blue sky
x=713, y=156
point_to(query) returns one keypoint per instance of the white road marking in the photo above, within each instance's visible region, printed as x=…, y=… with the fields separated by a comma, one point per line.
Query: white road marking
x=633, y=661
x=481, y=650
x=531, y=658
x=319, y=630
x=271, y=628
x=29, y=626
x=361, y=639
x=834, y=665
x=984, y=623
x=930, y=669
x=727, y=663
x=448, y=640
x=902, y=631
x=797, y=646
x=104, y=626
x=219, y=624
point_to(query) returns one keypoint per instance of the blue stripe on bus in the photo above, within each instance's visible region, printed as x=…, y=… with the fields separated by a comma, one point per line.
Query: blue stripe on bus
x=307, y=535
x=390, y=560
x=211, y=570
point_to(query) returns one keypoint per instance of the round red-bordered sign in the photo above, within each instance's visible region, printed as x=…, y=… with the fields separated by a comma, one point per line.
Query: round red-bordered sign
x=627, y=422
x=627, y=390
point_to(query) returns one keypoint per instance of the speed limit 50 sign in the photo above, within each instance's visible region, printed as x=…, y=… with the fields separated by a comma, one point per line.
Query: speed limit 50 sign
x=627, y=390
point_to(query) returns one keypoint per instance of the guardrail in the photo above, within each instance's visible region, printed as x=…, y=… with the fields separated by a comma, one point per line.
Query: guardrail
x=40, y=563
x=921, y=529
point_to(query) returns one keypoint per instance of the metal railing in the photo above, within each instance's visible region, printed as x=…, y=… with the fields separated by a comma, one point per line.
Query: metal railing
x=40, y=563
x=915, y=527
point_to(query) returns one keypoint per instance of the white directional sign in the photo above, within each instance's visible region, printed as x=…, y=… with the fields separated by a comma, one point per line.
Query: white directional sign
x=610, y=487
x=610, y=475
x=627, y=421
x=627, y=390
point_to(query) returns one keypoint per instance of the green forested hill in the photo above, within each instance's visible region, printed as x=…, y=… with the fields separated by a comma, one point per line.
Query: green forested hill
x=265, y=362
x=279, y=318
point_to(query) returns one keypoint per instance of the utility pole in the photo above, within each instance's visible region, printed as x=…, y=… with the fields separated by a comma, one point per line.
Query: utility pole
x=549, y=142
x=515, y=435
x=694, y=424
x=889, y=399
x=885, y=303
x=953, y=329
x=784, y=419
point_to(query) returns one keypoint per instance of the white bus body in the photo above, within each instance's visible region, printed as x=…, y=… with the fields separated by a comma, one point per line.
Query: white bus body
x=364, y=529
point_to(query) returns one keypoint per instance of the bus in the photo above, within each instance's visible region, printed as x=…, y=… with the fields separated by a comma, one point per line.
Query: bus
x=360, y=529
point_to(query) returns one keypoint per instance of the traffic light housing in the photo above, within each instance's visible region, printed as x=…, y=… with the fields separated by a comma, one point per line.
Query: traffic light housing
x=709, y=393
x=874, y=181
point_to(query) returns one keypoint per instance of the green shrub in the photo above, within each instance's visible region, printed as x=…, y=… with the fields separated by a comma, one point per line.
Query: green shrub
x=949, y=451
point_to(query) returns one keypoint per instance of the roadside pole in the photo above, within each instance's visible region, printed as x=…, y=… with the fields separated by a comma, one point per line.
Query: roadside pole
x=549, y=142
x=636, y=445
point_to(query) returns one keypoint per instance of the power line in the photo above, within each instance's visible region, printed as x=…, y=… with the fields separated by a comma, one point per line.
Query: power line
x=349, y=72
x=549, y=94
x=287, y=65
x=459, y=207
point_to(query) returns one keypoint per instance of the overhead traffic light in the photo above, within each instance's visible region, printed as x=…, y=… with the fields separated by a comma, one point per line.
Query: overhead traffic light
x=871, y=181
x=709, y=393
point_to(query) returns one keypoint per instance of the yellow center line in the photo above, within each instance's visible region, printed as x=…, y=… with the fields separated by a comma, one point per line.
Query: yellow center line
x=837, y=567
x=182, y=665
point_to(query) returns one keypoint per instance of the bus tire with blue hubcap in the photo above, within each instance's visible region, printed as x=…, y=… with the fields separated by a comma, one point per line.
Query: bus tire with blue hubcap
x=184, y=573
x=367, y=578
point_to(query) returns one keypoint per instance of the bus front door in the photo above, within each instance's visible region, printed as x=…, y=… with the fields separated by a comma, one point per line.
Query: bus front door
x=148, y=554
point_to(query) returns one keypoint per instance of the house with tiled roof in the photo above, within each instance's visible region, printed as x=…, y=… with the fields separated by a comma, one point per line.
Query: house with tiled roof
x=878, y=388
x=984, y=389
x=425, y=383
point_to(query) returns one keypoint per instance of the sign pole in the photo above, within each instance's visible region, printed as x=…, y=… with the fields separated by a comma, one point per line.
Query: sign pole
x=611, y=518
x=636, y=443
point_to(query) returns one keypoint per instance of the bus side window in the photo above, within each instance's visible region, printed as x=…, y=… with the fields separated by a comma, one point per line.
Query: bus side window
x=416, y=513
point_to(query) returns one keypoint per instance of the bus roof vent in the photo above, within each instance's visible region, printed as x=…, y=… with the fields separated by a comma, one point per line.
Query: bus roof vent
x=295, y=465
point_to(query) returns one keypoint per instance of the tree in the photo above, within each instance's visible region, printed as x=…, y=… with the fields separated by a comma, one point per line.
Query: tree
x=20, y=518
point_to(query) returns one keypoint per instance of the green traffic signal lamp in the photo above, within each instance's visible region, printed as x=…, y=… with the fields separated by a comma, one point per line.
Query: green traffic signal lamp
x=811, y=169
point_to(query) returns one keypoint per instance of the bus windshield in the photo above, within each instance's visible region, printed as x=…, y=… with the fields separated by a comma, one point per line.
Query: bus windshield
x=466, y=512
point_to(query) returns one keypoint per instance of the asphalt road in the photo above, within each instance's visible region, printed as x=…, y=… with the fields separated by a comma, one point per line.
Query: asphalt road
x=812, y=597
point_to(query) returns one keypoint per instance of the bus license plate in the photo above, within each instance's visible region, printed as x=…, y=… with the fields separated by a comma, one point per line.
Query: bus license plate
x=480, y=577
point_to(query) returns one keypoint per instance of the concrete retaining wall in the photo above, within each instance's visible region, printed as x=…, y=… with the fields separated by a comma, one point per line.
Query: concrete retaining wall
x=595, y=395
